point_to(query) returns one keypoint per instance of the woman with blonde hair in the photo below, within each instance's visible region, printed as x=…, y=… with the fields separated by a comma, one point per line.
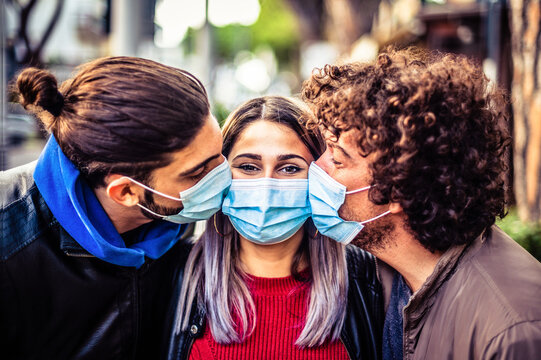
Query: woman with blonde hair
x=261, y=283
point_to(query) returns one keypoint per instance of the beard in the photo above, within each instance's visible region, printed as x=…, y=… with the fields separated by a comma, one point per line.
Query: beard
x=150, y=204
x=375, y=235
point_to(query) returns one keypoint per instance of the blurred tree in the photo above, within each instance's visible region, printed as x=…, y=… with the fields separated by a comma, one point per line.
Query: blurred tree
x=311, y=16
x=525, y=19
x=275, y=27
x=31, y=55
x=341, y=22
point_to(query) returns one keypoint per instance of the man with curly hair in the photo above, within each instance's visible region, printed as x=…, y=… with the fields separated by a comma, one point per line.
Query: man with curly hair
x=425, y=134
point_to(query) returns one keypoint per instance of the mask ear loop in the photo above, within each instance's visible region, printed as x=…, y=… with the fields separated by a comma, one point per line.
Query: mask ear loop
x=375, y=218
x=151, y=189
x=358, y=190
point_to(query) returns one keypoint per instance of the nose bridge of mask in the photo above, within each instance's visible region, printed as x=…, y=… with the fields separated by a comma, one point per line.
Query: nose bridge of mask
x=249, y=193
x=267, y=192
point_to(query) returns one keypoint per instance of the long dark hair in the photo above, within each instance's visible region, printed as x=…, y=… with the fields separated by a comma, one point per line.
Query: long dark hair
x=117, y=114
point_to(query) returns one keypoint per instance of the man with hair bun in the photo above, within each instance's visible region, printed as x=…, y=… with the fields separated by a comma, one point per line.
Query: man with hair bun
x=94, y=234
x=414, y=173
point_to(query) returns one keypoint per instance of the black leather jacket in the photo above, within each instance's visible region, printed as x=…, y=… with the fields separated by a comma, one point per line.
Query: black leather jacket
x=363, y=327
x=59, y=302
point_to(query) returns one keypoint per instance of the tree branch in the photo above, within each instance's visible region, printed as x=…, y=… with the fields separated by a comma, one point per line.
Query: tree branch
x=25, y=13
x=50, y=27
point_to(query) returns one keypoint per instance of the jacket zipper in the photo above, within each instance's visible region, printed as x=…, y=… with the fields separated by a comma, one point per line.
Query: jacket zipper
x=377, y=268
x=405, y=344
x=78, y=255
x=189, y=345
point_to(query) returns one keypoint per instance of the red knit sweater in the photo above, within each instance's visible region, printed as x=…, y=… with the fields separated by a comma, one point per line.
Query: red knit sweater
x=281, y=306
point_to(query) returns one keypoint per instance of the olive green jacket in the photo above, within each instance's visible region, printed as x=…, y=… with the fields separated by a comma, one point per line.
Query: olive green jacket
x=483, y=301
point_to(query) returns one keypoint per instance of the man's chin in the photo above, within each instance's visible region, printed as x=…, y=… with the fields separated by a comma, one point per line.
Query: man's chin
x=374, y=238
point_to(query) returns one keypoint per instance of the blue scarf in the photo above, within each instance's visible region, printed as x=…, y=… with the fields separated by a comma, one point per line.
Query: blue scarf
x=79, y=212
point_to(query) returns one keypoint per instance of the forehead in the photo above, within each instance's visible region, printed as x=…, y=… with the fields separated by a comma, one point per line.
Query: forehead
x=347, y=140
x=267, y=136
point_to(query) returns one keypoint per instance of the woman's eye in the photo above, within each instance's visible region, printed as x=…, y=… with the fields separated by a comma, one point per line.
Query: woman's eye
x=291, y=169
x=248, y=168
x=335, y=162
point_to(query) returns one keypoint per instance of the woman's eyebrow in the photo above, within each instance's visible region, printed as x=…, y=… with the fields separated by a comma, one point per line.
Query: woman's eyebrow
x=291, y=156
x=249, y=156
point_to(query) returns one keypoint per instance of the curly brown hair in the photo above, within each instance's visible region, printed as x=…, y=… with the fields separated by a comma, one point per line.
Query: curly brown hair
x=435, y=128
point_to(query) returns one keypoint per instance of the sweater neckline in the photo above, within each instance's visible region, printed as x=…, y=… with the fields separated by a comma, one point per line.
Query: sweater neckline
x=281, y=286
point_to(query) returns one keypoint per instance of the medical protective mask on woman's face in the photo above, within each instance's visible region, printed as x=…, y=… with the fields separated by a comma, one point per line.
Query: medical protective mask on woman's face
x=266, y=210
x=326, y=197
x=202, y=200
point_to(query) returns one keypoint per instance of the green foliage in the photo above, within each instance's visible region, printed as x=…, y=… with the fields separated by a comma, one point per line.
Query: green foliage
x=189, y=42
x=527, y=235
x=231, y=39
x=220, y=112
x=276, y=27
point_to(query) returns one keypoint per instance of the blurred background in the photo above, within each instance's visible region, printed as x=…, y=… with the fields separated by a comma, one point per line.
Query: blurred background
x=241, y=49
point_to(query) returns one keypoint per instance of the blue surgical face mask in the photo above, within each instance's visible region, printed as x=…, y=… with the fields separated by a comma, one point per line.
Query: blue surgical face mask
x=265, y=210
x=202, y=200
x=326, y=197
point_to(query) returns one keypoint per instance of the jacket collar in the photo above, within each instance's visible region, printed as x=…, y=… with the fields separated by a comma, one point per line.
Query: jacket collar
x=422, y=300
x=417, y=304
x=70, y=247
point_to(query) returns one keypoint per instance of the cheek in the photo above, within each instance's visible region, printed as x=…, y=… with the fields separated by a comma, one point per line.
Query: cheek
x=347, y=177
x=348, y=210
x=238, y=174
x=173, y=187
x=354, y=208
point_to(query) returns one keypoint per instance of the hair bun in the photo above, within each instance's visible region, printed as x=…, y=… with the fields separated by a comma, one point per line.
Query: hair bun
x=39, y=88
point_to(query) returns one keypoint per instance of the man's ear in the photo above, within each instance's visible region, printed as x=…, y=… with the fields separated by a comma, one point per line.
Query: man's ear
x=395, y=208
x=122, y=190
